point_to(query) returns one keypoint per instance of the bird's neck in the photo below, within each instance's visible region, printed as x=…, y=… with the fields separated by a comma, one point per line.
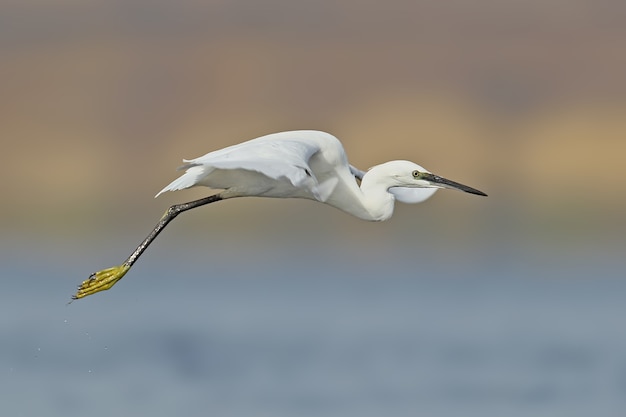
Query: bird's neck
x=376, y=201
x=371, y=201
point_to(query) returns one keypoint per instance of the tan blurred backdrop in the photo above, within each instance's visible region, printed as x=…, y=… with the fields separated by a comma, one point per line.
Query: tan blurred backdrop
x=100, y=100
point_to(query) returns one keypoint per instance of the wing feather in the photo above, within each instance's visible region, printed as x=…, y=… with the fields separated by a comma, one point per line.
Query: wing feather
x=282, y=159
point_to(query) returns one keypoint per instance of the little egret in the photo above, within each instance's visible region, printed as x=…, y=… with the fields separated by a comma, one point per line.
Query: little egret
x=300, y=164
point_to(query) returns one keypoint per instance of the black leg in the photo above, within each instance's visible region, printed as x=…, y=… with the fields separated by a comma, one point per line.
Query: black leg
x=106, y=278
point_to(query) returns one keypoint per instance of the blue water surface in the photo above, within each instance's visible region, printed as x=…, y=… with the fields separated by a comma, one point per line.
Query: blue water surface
x=325, y=333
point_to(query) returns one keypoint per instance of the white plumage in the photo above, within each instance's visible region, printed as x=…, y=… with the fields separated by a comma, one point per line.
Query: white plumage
x=306, y=164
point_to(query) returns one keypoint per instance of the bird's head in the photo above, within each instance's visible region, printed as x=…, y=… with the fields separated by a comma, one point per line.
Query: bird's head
x=411, y=183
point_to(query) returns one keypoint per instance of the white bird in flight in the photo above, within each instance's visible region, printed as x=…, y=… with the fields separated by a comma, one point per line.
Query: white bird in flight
x=299, y=164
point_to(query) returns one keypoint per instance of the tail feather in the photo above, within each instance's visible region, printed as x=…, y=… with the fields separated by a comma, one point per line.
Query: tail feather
x=191, y=177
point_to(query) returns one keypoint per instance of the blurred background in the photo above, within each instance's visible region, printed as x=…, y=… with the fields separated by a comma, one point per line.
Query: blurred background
x=508, y=305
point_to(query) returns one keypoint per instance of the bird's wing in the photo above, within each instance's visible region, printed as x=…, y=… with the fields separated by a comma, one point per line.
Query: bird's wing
x=282, y=159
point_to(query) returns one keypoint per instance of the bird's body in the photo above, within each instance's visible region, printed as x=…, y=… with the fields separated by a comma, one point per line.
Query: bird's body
x=299, y=164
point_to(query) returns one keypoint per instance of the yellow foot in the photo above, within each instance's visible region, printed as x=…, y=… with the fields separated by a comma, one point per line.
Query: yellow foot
x=101, y=281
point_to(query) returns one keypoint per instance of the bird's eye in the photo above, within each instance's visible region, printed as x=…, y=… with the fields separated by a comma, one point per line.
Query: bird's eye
x=416, y=174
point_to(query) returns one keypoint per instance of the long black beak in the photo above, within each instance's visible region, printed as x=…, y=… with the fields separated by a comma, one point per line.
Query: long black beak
x=441, y=182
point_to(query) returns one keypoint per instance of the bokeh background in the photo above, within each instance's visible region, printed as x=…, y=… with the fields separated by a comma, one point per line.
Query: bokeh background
x=510, y=305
